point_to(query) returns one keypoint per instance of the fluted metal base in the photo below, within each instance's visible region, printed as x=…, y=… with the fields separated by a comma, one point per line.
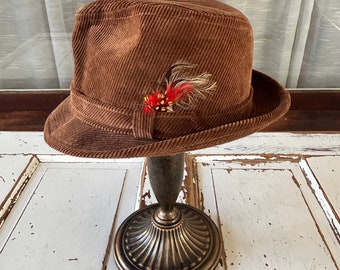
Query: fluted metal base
x=190, y=241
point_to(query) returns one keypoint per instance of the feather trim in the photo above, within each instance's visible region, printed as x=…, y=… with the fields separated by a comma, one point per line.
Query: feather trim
x=179, y=88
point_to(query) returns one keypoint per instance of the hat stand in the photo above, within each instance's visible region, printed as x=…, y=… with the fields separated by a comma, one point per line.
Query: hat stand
x=167, y=235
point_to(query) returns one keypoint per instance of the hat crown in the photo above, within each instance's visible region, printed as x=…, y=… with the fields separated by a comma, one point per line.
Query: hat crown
x=122, y=49
x=132, y=94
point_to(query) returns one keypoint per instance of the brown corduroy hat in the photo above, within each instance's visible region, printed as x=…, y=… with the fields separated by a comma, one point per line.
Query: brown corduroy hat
x=158, y=77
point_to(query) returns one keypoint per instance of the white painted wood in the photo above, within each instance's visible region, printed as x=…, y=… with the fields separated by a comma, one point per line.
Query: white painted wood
x=268, y=214
x=279, y=143
x=14, y=174
x=13, y=143
x=129, y=202
x=299, y=237
x=11, y=168
x=321, y=197
x=327, y=171
x=64, y=217
x=257, y=143
x=67, y=159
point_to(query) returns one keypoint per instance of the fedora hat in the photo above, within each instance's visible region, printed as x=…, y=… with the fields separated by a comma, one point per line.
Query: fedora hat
x=158, y=77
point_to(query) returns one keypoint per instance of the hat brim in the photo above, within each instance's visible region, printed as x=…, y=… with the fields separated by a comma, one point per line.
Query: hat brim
x=66, y=133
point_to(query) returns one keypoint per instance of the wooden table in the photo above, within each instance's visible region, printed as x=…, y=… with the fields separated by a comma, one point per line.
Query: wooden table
x=275, y=197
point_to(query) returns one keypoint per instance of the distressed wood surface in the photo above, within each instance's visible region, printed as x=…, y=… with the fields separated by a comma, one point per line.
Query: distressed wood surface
x=68, y=231
x=268, y=214
x=65, y=217
x=15, y=172
x=11, y=168
x=326, y=171
x=273, y=195
x=189, y=193
x=12, y=143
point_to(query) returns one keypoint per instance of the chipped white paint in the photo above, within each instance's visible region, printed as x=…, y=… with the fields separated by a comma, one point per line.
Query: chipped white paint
x=10, y=171
x=147, y=197
x=63, y=227
x=269, y=168
x=257, y=143
x=265, y=222
x=249, y=195
x=64, y=217
x=13, y=143
x=327, y=170
x=279, y=143
x=334, y=223
x=15, y=173
x=67, y=159
x=244, y=158
x=127, y=205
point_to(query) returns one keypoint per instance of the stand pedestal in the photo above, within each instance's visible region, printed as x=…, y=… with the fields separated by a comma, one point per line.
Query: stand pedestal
x=167, y=236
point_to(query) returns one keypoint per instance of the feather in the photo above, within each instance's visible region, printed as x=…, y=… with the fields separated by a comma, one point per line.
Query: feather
x=179, y=88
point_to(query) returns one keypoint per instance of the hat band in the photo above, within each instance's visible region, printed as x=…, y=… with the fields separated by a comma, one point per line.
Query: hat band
x=137, y=124
x=161, y=125
x=96, y=113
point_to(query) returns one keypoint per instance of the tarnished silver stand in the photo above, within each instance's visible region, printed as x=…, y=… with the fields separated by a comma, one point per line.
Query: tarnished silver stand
x=167, y=235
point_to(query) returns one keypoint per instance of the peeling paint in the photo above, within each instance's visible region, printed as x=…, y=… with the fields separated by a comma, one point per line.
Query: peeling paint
x=18, y=189
x=143, y=203
x=190, y=185
x=295, y=180
x=320, y=196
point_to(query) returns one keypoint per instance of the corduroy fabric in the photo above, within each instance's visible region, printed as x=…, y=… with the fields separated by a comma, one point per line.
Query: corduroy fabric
x=122, y=49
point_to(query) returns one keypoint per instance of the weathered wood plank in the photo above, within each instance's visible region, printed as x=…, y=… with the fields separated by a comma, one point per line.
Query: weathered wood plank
x=270, y=157
x=129, y=202
x=11, y=168
x=14, y=143
x=259, y=143
x=63, y=219
x=284, y=143
x=268, y=214
x=327, y=171
x=14, y=173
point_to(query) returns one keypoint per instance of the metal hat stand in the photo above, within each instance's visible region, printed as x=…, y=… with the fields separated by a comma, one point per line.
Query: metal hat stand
x=167, y=235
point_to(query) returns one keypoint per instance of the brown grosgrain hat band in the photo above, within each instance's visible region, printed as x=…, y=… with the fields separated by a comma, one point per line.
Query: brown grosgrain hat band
x=160, y=77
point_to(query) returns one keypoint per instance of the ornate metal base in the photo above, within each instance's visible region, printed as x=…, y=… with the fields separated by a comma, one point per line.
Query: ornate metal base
x=148, y=239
